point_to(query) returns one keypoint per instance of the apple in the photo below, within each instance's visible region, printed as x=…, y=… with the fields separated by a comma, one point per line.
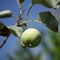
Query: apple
x=31, y=37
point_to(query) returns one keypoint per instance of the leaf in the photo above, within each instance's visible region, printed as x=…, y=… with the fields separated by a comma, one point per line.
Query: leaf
x=15, y=30
x=5, y=14
x=49, y=20
x=19, y=2
x=47, y=3
x=4, y=31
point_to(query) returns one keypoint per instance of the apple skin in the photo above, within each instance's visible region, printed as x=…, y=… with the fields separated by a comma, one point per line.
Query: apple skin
x=30, y=38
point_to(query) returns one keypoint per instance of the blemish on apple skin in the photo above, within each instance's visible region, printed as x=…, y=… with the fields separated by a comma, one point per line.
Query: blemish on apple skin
x=30, y=45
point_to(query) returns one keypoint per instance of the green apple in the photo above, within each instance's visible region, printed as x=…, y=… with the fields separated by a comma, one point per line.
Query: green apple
x=30, y=38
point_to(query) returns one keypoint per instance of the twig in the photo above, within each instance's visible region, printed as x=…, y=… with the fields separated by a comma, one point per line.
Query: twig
x=4, y=41
x=19, y=18
x=30, y=6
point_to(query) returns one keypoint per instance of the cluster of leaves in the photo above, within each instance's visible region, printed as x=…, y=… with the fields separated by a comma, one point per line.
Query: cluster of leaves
x=46, y=18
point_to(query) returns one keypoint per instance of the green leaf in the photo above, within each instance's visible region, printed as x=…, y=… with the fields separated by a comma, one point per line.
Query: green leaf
x=47, y=3
x=4, y=31
x=49, y=20
x=19, y=2
x=15, y=30
x=5, y=14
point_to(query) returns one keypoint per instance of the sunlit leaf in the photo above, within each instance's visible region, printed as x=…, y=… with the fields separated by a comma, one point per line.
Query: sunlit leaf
x=49, y=20
x=5, y=13
x=47, y=3
x=15, y=30
x=4, y=31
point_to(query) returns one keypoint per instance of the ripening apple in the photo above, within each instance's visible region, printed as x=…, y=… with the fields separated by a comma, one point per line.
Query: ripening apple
x=30, y=38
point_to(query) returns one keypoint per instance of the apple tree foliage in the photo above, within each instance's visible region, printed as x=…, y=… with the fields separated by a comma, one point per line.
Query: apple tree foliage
x=46, y=18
